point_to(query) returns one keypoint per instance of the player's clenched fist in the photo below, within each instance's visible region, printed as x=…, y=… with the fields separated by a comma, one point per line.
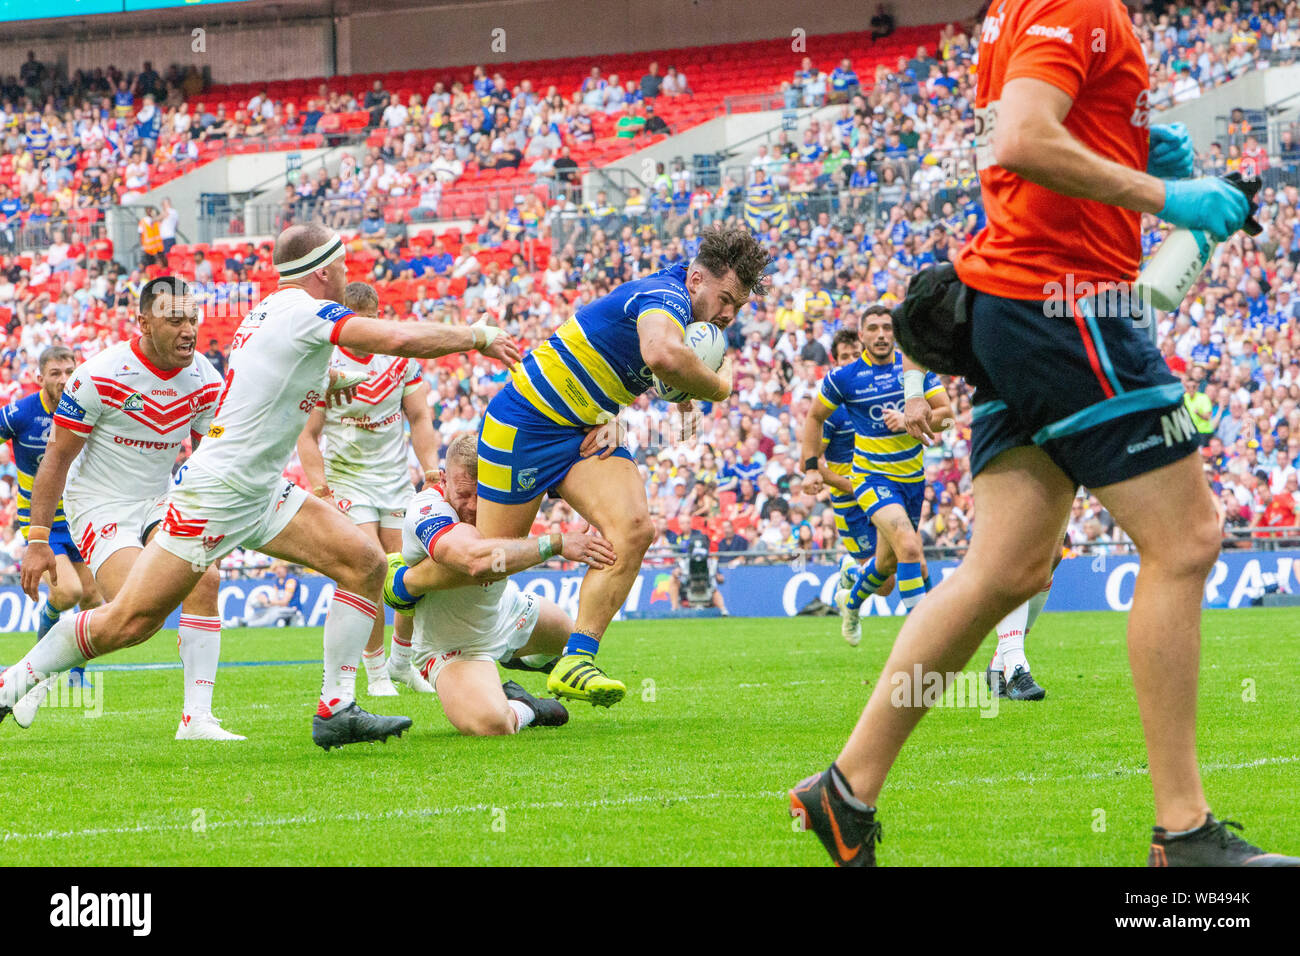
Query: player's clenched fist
x=590, y=549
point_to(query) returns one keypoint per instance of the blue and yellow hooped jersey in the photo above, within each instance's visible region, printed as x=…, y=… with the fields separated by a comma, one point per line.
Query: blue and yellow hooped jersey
x=838, y=434
x=592, y=366
x=864, y=390
x=28, y=423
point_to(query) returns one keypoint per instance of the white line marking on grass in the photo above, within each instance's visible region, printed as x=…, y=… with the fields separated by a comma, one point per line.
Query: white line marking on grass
x=1097, y=775
x=395, y=814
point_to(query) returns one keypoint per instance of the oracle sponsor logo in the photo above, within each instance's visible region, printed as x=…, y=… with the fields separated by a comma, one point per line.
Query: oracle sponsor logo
x=142, y=443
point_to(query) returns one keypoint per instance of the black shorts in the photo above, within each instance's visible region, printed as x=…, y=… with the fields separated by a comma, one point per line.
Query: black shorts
x=1088, y=388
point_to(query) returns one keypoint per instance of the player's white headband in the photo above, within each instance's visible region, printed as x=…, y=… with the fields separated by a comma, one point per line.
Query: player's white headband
x=318, y=258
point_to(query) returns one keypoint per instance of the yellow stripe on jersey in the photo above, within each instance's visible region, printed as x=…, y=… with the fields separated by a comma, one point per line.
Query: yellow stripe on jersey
x=494, y=476
x=525, y=388
x=594, y=363
x=676, y=321
x=937, y=390
x=886, y=445
x=840, y=467
x=24, y=481
x=497, y=435
x=579, y=402
x=826, y=401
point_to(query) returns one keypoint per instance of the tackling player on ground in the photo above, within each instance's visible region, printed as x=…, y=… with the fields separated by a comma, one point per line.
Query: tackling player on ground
x=888, y=475
x=232, y=493
x=29, y=424
x=470, y=616
x=1065, y=397
x=534, y=436
x=354, y=456
x=117, y=431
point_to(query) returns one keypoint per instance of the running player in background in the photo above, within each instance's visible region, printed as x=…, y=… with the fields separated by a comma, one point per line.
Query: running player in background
x=354, y=456
x=117, y=431
x=1067, y=394
x=854, y=527
x=538, y=432
x=471, y=616
x=29, y=424
x=1008, y=673
x=888, y=473
x=232, y=493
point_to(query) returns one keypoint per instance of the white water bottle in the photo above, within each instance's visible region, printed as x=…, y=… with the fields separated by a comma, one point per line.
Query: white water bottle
x=1175, y=267
x=1181, y=258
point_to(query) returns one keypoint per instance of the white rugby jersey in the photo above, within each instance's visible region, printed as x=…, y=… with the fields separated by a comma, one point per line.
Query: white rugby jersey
x=459, y=616
x=364, y=441
x=279, y=365
x=134, y=417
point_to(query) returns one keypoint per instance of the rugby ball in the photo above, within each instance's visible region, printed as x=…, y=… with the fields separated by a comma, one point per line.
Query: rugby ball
x=705, y=340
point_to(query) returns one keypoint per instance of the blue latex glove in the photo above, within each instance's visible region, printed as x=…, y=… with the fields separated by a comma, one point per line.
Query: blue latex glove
x=1171, y=155
x=1208, y=204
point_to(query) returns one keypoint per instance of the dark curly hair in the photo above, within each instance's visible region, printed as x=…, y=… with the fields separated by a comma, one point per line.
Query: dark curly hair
x=723, y=248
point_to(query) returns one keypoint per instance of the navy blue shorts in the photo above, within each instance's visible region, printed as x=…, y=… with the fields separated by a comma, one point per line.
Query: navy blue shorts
x=61, y=543
x=522, y=453
x=1088, y=388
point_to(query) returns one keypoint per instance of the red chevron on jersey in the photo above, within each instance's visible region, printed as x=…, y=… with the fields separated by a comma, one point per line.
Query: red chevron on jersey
x=180, y=527
x=375, y=390
x=161, y=417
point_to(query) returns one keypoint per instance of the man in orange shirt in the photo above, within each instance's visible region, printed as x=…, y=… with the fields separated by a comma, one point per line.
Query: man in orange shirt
x=1068, y=392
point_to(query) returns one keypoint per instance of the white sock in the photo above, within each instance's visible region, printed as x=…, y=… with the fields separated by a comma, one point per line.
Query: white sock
x=523, y=714
x=348, y=624
x=66, y=644
x=400, y=651
x=1036, y=607
x=375, y=669
x=1011, y=640
x=200, y=649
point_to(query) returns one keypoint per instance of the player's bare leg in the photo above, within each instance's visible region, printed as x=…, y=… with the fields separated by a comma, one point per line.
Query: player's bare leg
x=608, y=493
x=898, y=552
x=477, y=703
x=321, y=538
x=611, y=495
x=156, y=584
x=1171, y=518
x=1022, y=499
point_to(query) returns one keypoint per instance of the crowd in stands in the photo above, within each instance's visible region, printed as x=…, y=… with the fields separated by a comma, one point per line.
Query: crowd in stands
x=850, y=208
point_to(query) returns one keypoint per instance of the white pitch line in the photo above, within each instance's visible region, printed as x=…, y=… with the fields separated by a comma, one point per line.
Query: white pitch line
x=463, y=809
x=394, y=814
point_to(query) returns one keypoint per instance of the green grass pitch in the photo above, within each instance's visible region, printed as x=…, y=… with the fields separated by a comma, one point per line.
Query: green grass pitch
x=721, y=718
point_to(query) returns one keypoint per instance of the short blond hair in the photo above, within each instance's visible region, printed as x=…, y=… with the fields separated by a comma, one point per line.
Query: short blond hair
x=463, y=450
x=361, y=298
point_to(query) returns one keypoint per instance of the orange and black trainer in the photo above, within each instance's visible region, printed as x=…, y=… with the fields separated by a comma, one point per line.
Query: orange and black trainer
x=1211, y=844
x=849, y=835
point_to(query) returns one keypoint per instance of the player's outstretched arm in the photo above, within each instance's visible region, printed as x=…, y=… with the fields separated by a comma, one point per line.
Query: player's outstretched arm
x=666, y=353
x=313, y=462
x=47, y=488
x=424, y=437
x=426, y=339
x=478, y=560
